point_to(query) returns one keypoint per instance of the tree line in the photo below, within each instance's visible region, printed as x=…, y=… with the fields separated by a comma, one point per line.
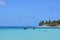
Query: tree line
x=49, y=23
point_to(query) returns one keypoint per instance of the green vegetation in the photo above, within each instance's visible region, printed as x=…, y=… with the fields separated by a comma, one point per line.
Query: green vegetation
x=49, y=23
x=41, y=23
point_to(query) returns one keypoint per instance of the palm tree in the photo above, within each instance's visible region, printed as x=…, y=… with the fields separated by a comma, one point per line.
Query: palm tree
x=49, y=23
x=46, y=22
x=58, y=22
x=41, y=23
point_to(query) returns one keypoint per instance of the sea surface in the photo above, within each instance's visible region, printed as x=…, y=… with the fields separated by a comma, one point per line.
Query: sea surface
x=29, y=34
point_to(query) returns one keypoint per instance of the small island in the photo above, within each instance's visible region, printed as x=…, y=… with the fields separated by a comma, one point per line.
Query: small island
x=54, y=23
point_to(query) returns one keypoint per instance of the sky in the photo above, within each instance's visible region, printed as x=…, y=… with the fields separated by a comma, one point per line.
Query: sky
x=28, y=12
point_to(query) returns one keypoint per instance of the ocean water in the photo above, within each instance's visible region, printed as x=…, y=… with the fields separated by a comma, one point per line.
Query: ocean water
x=29, y=34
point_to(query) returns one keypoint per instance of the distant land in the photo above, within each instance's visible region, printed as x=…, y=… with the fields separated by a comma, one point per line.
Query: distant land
x=54, y=23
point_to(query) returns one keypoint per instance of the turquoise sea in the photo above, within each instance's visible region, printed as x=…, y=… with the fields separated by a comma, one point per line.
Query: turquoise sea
x=29, y=34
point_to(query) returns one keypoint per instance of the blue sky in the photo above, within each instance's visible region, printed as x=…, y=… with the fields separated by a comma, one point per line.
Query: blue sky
x=28, y=12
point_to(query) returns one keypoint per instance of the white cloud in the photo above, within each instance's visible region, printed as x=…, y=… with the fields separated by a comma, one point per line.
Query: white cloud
x=2, y=3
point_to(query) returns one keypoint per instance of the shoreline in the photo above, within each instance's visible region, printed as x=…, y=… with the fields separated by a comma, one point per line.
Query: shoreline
x=33, y=27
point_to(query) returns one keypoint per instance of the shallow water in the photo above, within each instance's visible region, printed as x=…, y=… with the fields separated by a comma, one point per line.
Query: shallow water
x=29, y=34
